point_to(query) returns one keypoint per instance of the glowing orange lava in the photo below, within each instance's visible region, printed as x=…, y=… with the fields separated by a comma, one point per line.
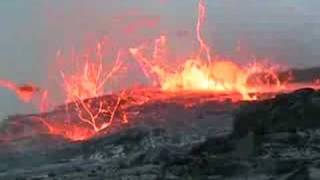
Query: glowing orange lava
x=220, y=76
x=215, y=75
x=88, y=120
x=87, y=79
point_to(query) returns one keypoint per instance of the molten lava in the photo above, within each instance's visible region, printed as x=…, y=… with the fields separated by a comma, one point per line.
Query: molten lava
x=86, y=119
x=219, y=76
x=215, y=75
x=87, y=81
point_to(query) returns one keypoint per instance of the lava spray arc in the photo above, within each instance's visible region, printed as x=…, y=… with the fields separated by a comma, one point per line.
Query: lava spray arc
x=88, y=80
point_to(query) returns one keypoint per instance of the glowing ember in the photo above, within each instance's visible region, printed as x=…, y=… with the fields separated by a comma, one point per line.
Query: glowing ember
x=25, y=92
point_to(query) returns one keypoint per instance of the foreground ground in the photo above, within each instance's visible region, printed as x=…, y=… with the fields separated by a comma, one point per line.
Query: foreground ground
x=205, y=139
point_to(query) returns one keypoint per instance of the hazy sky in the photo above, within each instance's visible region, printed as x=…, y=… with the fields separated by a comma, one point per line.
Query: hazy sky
x=31, y=31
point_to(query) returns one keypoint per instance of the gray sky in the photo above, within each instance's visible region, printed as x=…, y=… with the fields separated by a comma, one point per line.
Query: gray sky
x=31, y=32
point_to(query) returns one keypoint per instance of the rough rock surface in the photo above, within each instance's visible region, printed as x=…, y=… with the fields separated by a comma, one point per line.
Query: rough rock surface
x=271, y=139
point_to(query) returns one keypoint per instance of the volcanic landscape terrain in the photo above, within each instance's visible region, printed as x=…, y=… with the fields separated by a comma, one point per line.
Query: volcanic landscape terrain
x=200, y=118
x=193, y=136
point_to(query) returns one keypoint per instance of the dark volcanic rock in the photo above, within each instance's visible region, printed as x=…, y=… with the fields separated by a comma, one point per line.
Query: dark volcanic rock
x=286, y=112
x=302, y=75
x=214, y=145
x=286, y=133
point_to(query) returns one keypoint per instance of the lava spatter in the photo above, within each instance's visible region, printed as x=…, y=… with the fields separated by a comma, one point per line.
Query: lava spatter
x=24, y=92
